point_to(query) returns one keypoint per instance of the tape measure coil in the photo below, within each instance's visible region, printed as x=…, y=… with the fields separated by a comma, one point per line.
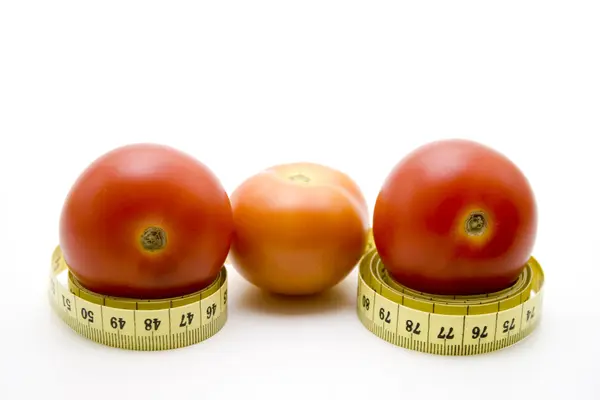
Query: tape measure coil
x=447, y=325
x=135, y=324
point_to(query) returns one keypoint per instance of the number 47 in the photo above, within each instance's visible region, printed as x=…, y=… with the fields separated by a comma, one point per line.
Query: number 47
x=186, y=319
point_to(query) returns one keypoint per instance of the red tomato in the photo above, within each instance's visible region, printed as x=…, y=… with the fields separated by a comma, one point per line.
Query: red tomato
x=300, y=228
x=455, y=217
x=146, y=221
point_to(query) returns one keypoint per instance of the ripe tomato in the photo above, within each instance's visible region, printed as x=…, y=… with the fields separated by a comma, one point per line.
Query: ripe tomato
x=146, y=221
x=455, y=217
x=300, y=228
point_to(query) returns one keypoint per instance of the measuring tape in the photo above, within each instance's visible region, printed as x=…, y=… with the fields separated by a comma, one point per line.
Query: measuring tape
x=138, y=324
x=447, y=325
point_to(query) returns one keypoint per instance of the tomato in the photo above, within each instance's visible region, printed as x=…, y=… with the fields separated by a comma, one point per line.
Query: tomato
x=146, y=221
x=455, y=217
x=300, y=228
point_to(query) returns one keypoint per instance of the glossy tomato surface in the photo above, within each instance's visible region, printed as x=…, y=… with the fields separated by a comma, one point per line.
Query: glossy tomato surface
x=146, y=221
x=300, y=228
x=455, y=217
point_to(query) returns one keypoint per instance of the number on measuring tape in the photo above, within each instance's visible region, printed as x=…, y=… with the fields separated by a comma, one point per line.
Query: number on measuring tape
x=479, y=329
x=210, y=307
x=66, y=301
x=531, y=310
x=118, y=321
x=152, y=322
x=480, y=333
x=445, y=329
x=89, y=314
x=386, y=313
x=509, y=322
x=185, y=318
x=366, y=300
x=530, y=314
x=413, y=327
x=412, y=324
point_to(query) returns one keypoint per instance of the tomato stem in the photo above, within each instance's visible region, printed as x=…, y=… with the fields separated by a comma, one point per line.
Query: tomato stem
x=153, y=238
x=476, y=224
x=299, y=177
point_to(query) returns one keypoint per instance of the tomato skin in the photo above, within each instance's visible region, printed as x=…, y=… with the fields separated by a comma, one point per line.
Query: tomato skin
x=419, y=219
x=294, y=237
x=128, y=190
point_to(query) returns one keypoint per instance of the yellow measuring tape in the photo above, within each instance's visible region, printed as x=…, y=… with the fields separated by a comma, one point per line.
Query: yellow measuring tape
x=447, y=325
x=137, y=324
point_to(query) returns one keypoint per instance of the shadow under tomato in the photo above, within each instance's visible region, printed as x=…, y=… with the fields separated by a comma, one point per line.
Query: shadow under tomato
x=340, y=298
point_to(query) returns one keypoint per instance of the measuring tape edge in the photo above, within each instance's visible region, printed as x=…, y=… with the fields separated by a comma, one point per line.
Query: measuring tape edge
x=536, y=284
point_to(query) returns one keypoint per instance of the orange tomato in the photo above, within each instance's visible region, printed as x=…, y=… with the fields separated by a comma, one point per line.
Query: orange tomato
x=300, y=228
x=146, y=221
x=455, y=217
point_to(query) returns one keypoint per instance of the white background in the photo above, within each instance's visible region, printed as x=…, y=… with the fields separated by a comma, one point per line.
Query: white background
x=247, y=84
